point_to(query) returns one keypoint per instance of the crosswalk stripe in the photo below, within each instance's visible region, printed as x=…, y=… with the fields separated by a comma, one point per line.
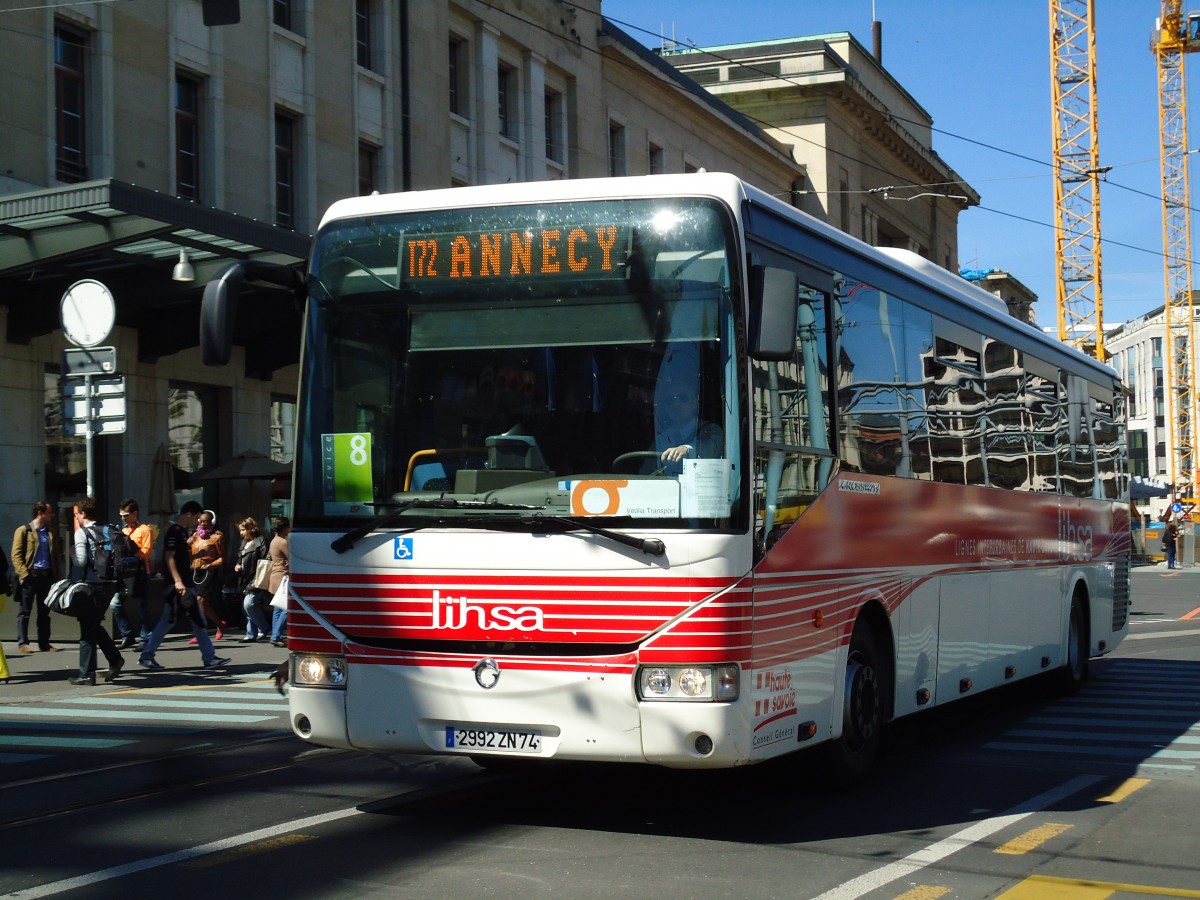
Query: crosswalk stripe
x=156, y=715
x=31, y=740
x=168, y=703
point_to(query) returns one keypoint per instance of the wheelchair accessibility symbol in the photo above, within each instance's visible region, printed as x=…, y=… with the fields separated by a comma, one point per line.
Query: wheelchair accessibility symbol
x=403, y=548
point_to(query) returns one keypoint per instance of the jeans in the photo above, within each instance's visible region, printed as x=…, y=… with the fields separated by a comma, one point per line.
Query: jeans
x=278, y=623
x=171, y=609
x=256, y=620
x=32, y=592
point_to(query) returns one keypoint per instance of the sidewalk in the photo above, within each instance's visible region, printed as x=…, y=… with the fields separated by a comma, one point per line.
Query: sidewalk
x=40, y=674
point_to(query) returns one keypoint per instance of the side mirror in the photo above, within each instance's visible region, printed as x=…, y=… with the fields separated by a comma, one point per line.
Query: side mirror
x=218, y=309
x=774, y=296
x=218, y=314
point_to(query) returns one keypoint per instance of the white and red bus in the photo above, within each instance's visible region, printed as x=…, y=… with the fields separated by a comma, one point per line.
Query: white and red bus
x=663, y=470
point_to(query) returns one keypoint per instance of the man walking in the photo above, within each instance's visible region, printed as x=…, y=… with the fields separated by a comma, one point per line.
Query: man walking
x=134, y=588
x=37, y=558
x=93, y=637
x=180, y=595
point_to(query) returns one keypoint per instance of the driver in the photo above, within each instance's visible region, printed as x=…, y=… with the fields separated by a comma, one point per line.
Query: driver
x=678, y=431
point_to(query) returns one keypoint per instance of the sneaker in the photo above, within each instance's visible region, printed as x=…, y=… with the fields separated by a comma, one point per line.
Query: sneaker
x=216, y=662
x=248, y=639
x=193, y=642
x=126, y=643
x=149, y=662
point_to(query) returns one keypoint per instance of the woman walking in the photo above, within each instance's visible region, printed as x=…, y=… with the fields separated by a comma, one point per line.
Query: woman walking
x=207, y=546
x=254, y=599
x=280, y=562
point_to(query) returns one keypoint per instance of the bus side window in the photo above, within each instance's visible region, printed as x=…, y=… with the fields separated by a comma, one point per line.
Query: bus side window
x=881, y=346
x=793, y=458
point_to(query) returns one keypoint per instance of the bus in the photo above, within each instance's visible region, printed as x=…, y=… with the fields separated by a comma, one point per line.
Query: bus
x=662, y=470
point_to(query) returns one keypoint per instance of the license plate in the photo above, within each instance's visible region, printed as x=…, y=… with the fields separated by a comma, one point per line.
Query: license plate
x=492, y=740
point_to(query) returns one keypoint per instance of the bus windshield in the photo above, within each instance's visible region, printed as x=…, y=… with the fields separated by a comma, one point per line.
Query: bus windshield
x=567, y=359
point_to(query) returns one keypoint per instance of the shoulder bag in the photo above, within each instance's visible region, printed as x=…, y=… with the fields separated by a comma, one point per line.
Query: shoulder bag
x=262, y=575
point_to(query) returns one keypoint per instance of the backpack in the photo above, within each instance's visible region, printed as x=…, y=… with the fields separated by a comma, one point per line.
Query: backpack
x=114, y=554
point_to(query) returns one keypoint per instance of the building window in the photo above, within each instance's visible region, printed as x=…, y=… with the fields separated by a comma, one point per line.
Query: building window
x=616, y=149
x=367, y=158
x=187, y=137
x=281, y=10
x=554, y=121
x=458, y=73
x=191, y=434
x=657, y=159
x=506, y=100
x=285, y=170
x=70, y=104
x=283, y=428
x=66, y=456
x=362, y=32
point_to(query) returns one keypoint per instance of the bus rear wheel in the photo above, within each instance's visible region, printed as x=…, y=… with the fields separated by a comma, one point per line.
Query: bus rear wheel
x=853, y=755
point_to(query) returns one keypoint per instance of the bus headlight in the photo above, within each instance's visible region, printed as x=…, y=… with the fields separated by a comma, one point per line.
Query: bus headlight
x=320, y=671
x=703, y=683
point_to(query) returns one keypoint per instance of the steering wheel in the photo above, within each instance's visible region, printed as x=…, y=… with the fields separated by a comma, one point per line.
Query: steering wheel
x=638, y=454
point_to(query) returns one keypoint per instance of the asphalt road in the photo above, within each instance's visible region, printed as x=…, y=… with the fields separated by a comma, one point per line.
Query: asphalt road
x=1018, y=794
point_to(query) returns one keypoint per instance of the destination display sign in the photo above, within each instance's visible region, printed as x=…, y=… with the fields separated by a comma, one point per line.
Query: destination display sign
x=578, y=251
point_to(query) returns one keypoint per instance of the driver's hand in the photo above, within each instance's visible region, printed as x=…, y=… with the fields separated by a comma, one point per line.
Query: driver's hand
x=675, y=454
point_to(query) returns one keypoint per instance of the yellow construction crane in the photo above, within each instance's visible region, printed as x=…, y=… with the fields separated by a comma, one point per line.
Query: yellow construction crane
x=1077, y=175
x=1175, y=35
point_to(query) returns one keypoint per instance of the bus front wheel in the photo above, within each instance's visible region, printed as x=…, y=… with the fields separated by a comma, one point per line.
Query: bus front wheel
x=853, y=754
x=1075, y=671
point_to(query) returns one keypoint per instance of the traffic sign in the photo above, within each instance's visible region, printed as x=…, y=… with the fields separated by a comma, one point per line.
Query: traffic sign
x=100, y=398
x=90, y=361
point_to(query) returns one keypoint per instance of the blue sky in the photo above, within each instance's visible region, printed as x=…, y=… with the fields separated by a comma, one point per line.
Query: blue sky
x=982, y=71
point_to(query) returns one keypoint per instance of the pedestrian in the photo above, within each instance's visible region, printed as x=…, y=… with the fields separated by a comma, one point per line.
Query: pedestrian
x=179, y=598
x=4, y=594
x=280, y=564
x=208, y=556
x=37, y=559
x=254, y=599
x=92, y=633
x=1169, y=536
x=133, y=587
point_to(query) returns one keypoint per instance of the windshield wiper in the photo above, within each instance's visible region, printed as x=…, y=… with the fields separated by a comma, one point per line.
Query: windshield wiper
x=649, y=546
x=352, y=537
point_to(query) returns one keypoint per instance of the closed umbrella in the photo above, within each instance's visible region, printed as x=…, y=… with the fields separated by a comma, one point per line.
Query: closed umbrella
x=162, y=483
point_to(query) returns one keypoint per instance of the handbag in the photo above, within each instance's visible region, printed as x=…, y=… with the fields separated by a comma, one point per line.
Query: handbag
x=280, y=600
x=68, y=597
x=262, y=575
x=199, y=576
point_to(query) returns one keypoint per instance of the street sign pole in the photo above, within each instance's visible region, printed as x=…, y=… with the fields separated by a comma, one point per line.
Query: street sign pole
x=89, y=437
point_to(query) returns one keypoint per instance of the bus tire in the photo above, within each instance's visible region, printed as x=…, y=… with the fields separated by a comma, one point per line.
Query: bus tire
x=1074, y=672
x=853, y=755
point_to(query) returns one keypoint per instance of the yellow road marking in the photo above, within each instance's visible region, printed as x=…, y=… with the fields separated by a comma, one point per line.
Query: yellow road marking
x=925, y=892
x=1032, y=839
x=217, y=859
x=1128, y=787
x=1046, y=887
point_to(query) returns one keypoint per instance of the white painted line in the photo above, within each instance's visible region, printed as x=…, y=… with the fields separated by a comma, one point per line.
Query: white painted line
x=166, y=859
x=972, y=834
